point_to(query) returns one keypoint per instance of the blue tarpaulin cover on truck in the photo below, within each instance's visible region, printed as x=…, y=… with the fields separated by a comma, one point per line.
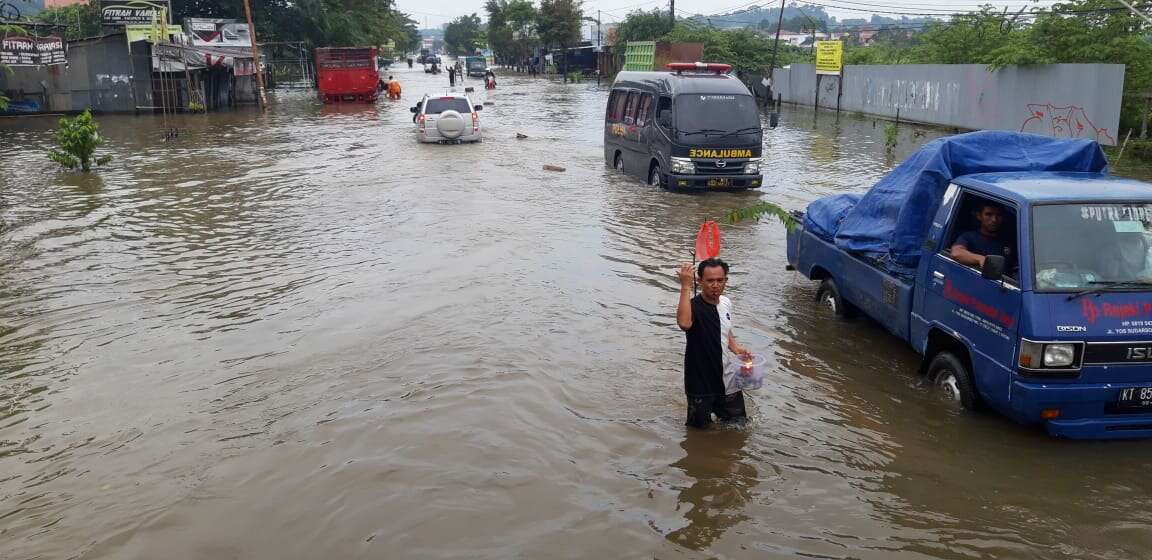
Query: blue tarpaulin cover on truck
x=825, y=214
x=890, y=221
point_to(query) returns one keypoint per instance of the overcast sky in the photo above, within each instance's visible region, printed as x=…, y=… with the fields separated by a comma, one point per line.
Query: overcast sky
x=437, y=12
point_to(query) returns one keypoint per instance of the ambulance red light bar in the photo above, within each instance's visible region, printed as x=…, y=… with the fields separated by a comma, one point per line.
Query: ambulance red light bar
x=716, y=67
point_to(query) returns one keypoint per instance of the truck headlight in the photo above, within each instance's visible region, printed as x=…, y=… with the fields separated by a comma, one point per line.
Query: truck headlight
x=683, y=166
x=752, y=167
x=1059, y=355
x=1036, y=357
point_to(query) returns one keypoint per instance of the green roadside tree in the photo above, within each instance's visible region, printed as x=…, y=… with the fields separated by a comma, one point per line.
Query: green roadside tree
x=746, y=50
x=643, y=26
x=521, y=16
x=78, y=139
x=966, y=39
x=500, y=37
x=558, y=24
x=404, y=32
x=463, y=35
x=79, y=21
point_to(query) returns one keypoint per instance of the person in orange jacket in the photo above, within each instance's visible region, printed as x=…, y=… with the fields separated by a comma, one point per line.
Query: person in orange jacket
x=393, y=88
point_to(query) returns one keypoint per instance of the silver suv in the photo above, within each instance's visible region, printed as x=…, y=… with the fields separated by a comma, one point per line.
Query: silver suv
x=448, y=118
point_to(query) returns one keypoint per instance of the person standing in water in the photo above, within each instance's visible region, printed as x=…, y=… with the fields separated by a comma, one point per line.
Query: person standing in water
x=706, y=320
x=452, y=76
x=393, y=88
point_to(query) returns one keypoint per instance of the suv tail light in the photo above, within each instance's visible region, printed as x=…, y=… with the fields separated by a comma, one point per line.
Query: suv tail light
x=420, y=122
x=475, y=122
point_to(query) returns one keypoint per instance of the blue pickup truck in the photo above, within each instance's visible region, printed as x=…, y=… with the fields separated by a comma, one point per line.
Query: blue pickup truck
x=1055, y=330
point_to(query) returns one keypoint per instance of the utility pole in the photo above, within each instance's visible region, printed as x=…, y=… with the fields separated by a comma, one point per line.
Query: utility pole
x=599, y=48
x=1135, y=11
x=256, y=58
x=672, y=13
x=775, y=49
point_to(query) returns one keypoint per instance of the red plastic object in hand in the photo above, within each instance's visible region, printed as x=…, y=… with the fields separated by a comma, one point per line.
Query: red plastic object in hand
x=708, y=241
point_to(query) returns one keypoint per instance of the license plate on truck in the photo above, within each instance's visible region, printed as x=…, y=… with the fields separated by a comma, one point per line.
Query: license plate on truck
x=720, y=182
x=1135, y=397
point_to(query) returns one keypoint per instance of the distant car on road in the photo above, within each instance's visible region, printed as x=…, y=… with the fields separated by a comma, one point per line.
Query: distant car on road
x=448, y=118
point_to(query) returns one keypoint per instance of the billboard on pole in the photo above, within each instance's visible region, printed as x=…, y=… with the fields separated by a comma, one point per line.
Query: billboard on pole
x=127, y=12
x=32, y=51
x=829, y=57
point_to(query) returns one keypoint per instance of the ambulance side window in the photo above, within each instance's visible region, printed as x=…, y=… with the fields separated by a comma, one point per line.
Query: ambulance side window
x=644, y=113
x=664, y=104
x=616, y=105
x=630, y=107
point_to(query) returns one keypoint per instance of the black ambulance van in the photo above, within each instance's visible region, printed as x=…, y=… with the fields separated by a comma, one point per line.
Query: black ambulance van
x=694, y=126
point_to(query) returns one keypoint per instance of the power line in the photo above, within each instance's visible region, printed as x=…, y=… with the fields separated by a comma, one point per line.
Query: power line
x=633, y=6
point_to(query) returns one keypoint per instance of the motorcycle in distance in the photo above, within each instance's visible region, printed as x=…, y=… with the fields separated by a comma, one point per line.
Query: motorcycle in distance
x=489, y=80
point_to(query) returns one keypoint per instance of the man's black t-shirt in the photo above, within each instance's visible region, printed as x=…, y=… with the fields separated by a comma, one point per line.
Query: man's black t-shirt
x=977, y=243
x=703, y=352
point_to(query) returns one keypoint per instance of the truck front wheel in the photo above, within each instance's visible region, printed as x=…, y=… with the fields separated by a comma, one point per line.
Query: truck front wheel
x=952, y=381
x=829, y=296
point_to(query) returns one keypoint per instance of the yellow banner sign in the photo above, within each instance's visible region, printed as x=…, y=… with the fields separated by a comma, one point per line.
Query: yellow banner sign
x=152, y=33
x=829, y=56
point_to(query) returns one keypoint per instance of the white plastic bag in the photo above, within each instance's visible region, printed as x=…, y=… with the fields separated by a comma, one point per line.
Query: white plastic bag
x=744, y=375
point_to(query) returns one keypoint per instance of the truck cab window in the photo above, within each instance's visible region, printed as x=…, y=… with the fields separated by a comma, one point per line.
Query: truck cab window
x=1078, y=246
x=982, y=227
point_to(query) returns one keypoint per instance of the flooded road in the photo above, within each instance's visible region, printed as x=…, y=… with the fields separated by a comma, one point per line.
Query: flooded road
x=303, y=335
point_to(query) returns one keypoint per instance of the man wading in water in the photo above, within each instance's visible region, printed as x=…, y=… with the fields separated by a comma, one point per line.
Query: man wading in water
x=707, y=324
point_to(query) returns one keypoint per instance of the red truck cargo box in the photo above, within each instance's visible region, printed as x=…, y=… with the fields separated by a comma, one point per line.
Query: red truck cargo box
x=347, y=74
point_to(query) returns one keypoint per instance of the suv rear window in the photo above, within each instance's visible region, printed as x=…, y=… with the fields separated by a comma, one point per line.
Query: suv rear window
x=438, y=105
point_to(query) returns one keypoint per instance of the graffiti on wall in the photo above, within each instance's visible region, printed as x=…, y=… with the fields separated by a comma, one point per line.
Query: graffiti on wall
x=1063, y=122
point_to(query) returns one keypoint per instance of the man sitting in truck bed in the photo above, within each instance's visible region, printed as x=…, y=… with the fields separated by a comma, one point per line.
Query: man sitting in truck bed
x=972, y=246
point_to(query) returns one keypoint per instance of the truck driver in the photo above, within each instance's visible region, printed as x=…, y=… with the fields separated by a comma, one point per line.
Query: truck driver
x=972, y=246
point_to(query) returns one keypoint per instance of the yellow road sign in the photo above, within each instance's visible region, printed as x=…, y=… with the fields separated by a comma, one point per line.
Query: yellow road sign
x=829, y=57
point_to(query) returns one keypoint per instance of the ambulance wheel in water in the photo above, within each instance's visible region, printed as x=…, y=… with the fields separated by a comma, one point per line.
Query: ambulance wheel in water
x=829, y=297
x=655, y=178
x=952, y=382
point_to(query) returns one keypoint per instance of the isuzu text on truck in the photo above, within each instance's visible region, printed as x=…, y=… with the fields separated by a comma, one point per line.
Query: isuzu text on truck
x=1051, y=325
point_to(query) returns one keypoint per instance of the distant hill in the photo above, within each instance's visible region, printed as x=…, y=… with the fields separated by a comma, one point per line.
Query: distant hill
x=795, y=17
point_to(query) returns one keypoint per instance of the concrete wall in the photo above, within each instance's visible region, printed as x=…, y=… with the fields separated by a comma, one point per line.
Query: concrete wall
x=99, y=75
x=1061, y=100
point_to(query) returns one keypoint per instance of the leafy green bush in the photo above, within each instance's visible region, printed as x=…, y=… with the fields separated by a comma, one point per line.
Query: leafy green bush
x=891, y=135
x=78, y=139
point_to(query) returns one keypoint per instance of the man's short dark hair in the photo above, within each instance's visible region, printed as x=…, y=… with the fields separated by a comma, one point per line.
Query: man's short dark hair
x=709, y=263
x=989, y=204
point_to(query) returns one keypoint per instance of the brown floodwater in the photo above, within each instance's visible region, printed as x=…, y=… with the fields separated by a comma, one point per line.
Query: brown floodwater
x=304, y=335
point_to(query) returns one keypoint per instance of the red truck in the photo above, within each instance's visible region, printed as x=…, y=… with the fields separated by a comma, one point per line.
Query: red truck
x=347, y=74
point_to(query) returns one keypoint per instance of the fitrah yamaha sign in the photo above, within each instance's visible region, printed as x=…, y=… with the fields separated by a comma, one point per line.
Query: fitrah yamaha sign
x=128, y=12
